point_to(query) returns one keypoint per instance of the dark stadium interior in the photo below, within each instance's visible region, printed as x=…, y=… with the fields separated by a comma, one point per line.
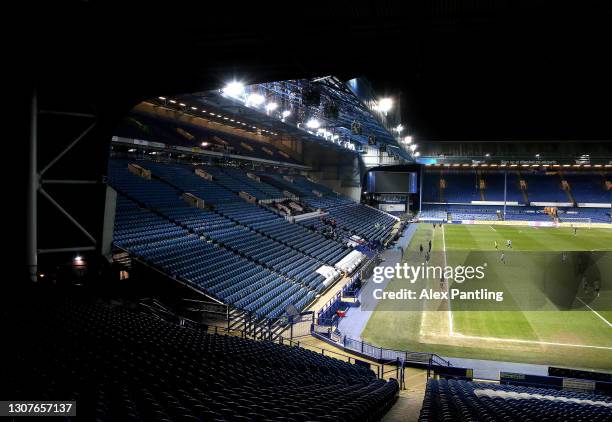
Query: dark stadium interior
x=176, y=269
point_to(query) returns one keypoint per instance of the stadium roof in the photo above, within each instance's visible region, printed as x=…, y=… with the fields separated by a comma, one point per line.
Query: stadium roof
x=332, y=127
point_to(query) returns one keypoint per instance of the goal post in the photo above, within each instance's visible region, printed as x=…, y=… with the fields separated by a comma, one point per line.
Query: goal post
x=575, y=222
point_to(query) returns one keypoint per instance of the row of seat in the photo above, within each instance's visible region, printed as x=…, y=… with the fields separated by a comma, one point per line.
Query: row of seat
x=368, y=223
x=120, y=364
x=292, y=235
x=450, y=400
x=207, y=266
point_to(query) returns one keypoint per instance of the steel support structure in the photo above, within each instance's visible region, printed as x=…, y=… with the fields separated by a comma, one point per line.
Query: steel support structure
x=35, y=184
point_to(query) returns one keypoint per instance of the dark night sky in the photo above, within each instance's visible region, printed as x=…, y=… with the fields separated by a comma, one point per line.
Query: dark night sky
x=543, y=76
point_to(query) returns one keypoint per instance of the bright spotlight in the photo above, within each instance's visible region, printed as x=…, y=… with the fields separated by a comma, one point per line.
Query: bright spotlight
x=162, y=98
x=413, y=147
x=385, y=104
x=234, y=89
x=399, y=128
x=416, y=154
x=78, y=258
x=286, y=113
x=408, y=139
x=255, y=99
x=313, y=124
x=204, y=144
x=271, y=106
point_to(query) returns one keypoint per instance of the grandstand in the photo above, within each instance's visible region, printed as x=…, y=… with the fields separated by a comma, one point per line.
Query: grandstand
x=340, y=212
x=516, y=196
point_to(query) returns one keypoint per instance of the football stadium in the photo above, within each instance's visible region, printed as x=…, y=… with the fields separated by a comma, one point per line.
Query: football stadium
x=351, y=212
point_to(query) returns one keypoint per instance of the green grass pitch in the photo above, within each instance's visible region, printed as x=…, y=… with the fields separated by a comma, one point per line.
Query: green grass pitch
x=547, y=324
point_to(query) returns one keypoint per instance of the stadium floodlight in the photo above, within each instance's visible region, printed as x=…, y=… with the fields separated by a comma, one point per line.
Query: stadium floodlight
x=194, y=108
x=408, y=139
x=313, y=124
x=234, y=89
x=537, y=156
x=78, y=258
x=413, y=147
x=173, y=102
x=204, y=144
x=255, y=99
x=286, y=113
x=417, y=154
x=162, y=98
x=487, y=155
x=384, y=104
x=271, y=106
x=399, y=128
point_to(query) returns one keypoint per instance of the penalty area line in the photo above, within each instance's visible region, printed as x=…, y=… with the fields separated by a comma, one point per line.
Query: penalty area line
x=516, y=340
x=595, y=312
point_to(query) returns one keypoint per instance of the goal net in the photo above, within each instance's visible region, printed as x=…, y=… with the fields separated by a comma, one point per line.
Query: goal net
x=575, y=222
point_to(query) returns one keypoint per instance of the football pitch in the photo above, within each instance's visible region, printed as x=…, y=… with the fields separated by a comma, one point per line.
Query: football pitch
x=557, y=288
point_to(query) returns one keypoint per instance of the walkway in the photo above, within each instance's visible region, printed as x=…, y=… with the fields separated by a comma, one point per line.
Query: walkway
x=490, y=369
x=356, y=318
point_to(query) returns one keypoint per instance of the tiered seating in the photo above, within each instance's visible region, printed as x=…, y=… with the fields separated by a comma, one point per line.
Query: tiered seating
x=279, y=180
x=295, y=236
x=367, y=222
x=214, y=269
x=135, y=226
x=120, y=364
x=270, y=191
x=526, y=214
x=461, y=187
x=243, y=184
x=544, y=188
x=328, y=202
x=588, y=188
x=249, y=236
x=484, y=212
x=152, y=193
x=431, y=186
x=142, y=125
x=307, y=185
x=597, y=215
x=494, y=190
x=447, y=400
x=183, y=177
x=432, y=212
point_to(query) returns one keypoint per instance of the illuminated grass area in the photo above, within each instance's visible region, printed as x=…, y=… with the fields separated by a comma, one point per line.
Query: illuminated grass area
x=552, y=330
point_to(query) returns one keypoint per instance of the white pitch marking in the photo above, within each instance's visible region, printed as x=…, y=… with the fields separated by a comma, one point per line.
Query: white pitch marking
x=514, y=340
x=450, y=312
x=493, y=228
x=595, y=312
